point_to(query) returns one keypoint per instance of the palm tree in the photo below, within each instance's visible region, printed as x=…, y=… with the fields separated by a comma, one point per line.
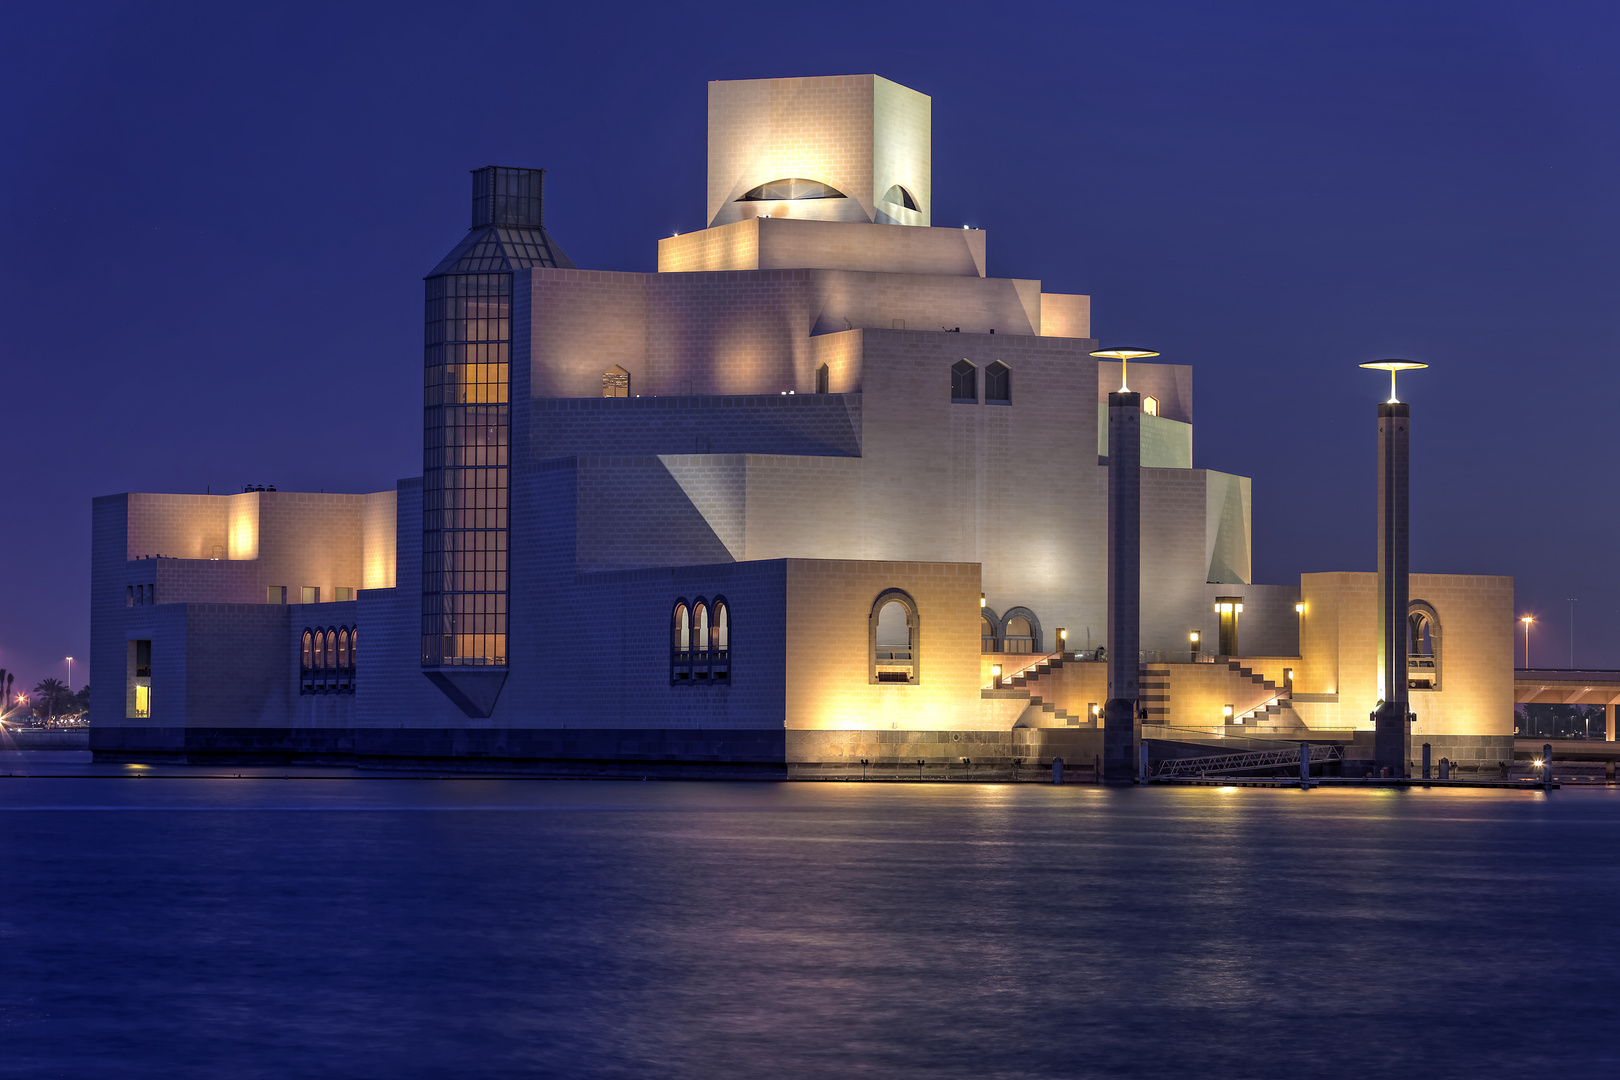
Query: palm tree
x=50, y=691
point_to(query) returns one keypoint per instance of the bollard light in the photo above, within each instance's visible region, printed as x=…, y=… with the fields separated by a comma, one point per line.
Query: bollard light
x=1227, y=712
x=995, y=675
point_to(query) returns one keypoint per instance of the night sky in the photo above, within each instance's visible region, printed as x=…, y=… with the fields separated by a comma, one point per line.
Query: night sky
x=214, y=220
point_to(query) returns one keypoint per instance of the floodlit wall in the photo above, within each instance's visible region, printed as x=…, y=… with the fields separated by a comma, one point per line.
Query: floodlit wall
x=1340, y=681
x=860, y=134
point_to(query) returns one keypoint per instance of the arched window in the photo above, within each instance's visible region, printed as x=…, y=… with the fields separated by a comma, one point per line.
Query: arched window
x=722, y=625
x=354, y=646
x=681, y=629
x=998, y=384
x=893, y=633
x=700, y=626
x=964, y=383
x=821, y=379
x=308, y=651
x=331, y=648
x=615, y=382
x=987, y=635
x=1020, y=631
x=1422, y=646
x=1150, y=404
x=320, y=650
x=343, y=661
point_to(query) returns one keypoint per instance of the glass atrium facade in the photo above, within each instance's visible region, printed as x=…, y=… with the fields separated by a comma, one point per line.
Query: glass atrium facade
x=466, y=438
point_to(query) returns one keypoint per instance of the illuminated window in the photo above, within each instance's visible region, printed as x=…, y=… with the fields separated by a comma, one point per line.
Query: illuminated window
x=275, y=594
x=342, y=592
x=893, y=633
x=1229, y=608
x=616, y=382
x=310, y=594
x=700, y=642
x=343, y=662
x=900, y=197
x=821, y=379
x=138, y=679
x=1422, y=647
x=327, y=660
x=1150, y=404
x=308, y=651
x=964, y=383
x=987, y=635
x=790, y=190
x=1018, y=636
x=998, y=384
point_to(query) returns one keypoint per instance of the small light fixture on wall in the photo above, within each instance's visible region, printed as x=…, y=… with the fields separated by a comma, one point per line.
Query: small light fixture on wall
x=1227, y=714
x=1299, y=609
x=981, y=599
x=995, y=676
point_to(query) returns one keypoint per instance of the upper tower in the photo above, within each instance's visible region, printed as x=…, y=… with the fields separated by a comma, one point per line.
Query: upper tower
x=828, y=148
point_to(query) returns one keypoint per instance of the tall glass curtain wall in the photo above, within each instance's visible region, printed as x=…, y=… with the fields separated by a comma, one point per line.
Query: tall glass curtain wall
x=465, y=469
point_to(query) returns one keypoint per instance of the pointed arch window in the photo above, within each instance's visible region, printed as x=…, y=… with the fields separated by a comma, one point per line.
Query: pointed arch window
x=998, y=384
x=964, y=383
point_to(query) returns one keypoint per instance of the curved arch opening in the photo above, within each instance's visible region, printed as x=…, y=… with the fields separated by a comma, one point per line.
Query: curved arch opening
x=899, y=196
x=790, y=190
x=893, y=634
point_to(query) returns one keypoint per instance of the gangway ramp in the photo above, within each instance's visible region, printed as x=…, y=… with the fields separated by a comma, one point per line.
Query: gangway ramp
x=1225, y=764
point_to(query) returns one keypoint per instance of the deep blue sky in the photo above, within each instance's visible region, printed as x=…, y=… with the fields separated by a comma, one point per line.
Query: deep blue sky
x=214, y=220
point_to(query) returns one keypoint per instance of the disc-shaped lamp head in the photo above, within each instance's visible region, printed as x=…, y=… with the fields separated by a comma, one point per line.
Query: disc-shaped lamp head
x=1392, y=366
x=1124, y=354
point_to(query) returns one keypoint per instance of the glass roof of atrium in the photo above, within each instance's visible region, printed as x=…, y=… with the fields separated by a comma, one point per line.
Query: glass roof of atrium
x=500, y=248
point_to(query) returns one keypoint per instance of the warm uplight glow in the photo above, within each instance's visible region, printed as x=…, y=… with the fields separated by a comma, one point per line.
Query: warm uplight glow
x=1229, y=609
x=995, y=669
x=1096, y=710
x=1288, y=674
x=1392, y=366
x=1124, y=355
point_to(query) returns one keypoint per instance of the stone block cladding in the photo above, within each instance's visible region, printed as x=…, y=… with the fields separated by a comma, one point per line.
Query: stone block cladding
x=825, y=129
x=788, y=244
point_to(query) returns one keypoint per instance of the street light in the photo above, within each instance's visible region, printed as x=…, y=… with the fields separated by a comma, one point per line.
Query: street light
x=70, y=674
x=1124, y=354
x=1392, y=366
x=1192, y=642
x=1527, y=620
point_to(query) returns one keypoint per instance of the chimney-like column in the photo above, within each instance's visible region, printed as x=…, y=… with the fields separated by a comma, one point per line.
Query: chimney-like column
x=1120, y=726
x=1394, y=545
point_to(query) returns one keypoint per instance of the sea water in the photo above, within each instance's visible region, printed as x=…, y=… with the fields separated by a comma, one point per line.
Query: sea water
x=341, y=924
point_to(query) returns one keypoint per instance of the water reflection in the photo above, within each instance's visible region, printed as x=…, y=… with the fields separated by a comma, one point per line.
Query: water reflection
x=343, y=926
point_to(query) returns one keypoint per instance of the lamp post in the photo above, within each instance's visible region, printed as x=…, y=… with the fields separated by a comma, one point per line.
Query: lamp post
x=1120, y=723
x=1391, y=718
x=70, y=674
x=1192, y=645
x=1527, y=620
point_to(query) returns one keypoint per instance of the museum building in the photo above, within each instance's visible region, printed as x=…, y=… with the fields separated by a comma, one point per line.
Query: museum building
x=817, y=491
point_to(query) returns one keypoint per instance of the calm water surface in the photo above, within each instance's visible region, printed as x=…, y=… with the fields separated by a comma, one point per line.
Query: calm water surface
x=352, y=926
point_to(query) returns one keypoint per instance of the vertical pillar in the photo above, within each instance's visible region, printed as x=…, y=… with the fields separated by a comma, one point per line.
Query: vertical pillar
x=1120, y=730
x=1394, y=545
x=1608, y=723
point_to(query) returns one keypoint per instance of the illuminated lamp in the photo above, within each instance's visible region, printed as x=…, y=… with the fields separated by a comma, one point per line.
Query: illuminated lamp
x=995, y=675
x=1299, y=609
x=981, y=599
x=1124, y=354
x=1227, y=712
x=1392, y=366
